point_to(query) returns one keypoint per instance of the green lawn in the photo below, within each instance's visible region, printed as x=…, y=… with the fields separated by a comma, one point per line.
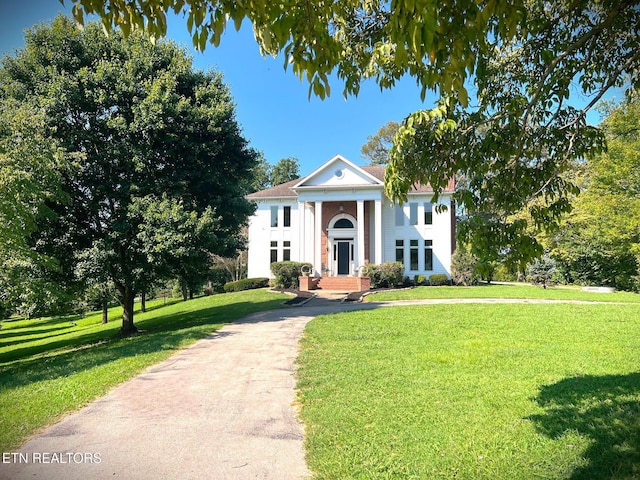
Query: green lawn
x=502, y=291
x=52, y=366
x=473, y=392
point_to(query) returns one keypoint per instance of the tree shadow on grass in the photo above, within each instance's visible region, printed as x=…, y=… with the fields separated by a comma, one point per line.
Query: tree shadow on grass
x=166, y=332
x=605, y=409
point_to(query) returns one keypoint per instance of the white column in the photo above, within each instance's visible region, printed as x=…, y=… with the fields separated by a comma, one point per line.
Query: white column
x=318, y=238
x=378, y=232
x=360, y=244
x=301, y=230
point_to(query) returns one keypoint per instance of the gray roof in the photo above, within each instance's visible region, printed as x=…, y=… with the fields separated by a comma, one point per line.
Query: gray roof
x=285, y=189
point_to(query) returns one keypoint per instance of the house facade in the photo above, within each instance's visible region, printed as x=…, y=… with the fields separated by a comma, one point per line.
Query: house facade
x=339, y=219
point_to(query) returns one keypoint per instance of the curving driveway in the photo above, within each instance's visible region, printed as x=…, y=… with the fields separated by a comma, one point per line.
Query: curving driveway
x=224, y=408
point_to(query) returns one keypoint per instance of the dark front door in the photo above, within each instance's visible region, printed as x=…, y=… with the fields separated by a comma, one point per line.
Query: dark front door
x=343, y=258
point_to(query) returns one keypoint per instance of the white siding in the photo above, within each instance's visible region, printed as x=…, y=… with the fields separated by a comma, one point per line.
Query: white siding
x=439, y=232
x=261, y=234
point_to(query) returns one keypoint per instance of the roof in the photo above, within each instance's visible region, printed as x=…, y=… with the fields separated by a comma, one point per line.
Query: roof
x=285, y=190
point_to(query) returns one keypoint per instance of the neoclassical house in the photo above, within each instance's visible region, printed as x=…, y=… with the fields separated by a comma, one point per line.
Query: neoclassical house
x=339, y=219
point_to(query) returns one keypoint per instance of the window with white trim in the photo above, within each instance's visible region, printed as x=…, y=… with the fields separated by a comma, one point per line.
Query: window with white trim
x=286, y=251
x=274, y=252
x=400, y=251
x=413, y=213
x=287, y=216
x=399, y=213
x=274, y=216
x=413, y=255
x=428, y=255
x=428, y=213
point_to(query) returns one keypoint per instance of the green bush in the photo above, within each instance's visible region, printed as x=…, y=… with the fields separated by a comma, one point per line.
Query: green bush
x=218, y=278
x=385, y=275
x=463, y=268
x=287, y=273
x=542, y=270
x=438, y=279
x=419, y=280
x=246, y=284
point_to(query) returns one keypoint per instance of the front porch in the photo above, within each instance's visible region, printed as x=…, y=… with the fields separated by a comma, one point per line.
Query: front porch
x=339, y=236
x=340, y=283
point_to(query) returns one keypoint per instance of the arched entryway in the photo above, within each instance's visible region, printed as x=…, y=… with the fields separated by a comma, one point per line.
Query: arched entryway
x=341, y=234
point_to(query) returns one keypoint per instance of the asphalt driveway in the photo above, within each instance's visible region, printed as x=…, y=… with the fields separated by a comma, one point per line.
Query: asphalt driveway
x=223, y=408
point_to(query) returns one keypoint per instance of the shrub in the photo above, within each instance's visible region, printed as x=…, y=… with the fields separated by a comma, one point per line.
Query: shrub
x=438, y=279
x=246, y=284
x=218, y=278
x=385, y=275
x=419, y=280
x=287, y=273
x=463, y=265
x=542, y=270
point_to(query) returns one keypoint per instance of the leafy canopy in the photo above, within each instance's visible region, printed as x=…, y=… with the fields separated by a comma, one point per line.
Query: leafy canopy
x=144, y=133
x=504, y=71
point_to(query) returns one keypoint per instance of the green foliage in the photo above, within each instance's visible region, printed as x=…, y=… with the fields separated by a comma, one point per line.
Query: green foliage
x=542, y=271
x=287, y=273
x=600, y=243
x=246, y=284
x=136, y=122
x=385, y=275
x=377, y=148
x=547, y=391
x=217, y=279
x=285, y=170
x=513, y=143
x=419, y=280
x=518, y=291
x=45, y=376
x=438, y=279
x=266, y=175
x=437, y=42
x=463, y=267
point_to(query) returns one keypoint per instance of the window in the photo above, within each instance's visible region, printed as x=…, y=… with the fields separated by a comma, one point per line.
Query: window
x=274, y=252
x=428, y=214
x=274, y=216
x=428, y=255
x=343, y=223
x=413, y=214
x=286, y=251
x=400, y=251
x=399, y=216
x=287, y=216
x=413, y=254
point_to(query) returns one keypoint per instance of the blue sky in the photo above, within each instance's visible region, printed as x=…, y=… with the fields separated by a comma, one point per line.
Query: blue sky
x=273, y=107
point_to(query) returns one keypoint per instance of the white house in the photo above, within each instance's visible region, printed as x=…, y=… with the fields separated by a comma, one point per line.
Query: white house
x=339, y=219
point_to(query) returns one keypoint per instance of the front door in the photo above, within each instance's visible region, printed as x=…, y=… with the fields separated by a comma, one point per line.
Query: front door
x=343, y=256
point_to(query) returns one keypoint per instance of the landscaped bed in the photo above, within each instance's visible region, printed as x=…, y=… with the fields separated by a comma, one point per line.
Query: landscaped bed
x=474, y=392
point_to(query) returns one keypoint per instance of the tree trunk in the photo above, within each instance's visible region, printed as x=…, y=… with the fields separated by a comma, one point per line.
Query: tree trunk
x=105, y=310
x=184, y=293
x=190, y=294
x=143, y=302
x=128, y=297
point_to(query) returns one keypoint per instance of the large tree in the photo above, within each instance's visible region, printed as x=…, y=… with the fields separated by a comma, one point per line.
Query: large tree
x=141, y=123
x=600, y=242
x=504, y=71
x=285, y=170
x=378, y=146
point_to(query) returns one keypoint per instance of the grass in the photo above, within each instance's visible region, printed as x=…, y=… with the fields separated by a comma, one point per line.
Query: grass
x=473, y=392
x=49, y=367
x=524, y=291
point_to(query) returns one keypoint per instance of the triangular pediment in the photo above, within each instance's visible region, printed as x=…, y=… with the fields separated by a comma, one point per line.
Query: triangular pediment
x=338, y=172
